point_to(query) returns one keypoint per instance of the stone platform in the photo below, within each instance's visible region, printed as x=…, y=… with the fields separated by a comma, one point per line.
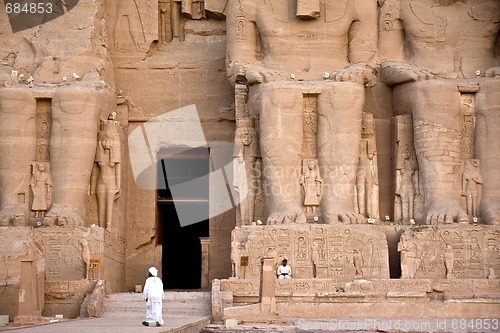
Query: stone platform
x=451, y=272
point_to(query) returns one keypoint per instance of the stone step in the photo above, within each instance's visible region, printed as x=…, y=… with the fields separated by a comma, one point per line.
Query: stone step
x=132, y=305
x=135, y=303
x=169, y=295
x=140, y=313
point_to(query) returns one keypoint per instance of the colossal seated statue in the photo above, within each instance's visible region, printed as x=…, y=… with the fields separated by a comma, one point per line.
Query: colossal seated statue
x=53, y=87
x=306, y=64
x=447, y=78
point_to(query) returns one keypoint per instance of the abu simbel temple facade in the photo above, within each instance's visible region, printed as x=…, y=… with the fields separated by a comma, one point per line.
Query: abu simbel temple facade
x=358, y=139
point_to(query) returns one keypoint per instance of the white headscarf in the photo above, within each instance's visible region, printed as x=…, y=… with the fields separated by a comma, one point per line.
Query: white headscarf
x=153, y=271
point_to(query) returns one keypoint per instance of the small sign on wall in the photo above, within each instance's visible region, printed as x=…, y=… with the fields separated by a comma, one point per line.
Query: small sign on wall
x=95, y=263
x=93, y=267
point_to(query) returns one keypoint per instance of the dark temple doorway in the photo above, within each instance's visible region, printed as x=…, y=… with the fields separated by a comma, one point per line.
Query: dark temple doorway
x=182, y=214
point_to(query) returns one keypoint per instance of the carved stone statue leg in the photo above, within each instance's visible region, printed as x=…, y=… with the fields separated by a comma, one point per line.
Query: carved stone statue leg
x=280, y=106
x=75, y=112
x=17, y=151
x=339, y=133
x=105, y=197
x=437, y=132
x=488, y=148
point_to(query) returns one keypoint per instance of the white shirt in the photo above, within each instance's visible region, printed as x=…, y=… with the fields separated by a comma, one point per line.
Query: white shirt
x=284, y=269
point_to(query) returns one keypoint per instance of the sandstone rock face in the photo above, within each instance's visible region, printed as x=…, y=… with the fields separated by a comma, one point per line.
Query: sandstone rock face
x=319, y=131
x=17, y=246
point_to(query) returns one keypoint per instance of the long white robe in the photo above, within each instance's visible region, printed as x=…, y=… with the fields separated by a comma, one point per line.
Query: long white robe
x=153, y=294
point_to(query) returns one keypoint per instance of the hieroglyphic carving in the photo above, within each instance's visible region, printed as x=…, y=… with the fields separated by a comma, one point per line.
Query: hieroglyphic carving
x=310, y=124
x=63, y=255
x=317, y=250
x=473, y=249
x=240, y=102
x=68, y=251
x=319, y=257
x=382, y=285
x=240, y=285
x=114, y=249
x=43, y=124
x=467, y=104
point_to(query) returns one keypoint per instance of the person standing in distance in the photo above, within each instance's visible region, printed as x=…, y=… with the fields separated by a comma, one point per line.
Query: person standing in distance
x=153, y=294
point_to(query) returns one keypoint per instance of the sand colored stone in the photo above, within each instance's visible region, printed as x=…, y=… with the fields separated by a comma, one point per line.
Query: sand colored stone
x=368, y=159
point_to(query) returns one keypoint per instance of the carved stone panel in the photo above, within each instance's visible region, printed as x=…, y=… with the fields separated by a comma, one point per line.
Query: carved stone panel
x=321, y=251
x=453, y=252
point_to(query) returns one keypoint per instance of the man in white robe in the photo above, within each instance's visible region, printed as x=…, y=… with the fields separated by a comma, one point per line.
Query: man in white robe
x=284, y=270
x=153, y=294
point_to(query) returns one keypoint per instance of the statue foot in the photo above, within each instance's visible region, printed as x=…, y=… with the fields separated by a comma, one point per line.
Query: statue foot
x=446, y=212
x=343, y=216
x=285, y=213
x=62, y=216
x=13, y=215
x=490, y=212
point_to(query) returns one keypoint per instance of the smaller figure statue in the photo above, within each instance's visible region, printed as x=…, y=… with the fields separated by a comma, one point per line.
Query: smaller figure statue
x=449, y=261
x=406, y=183
x=85, y=255
x=8, y=76
x=491, y=274
x=235, y=255
x=357, y=259
x=471, y=186
x=106, y=175
x=367, y=175
x=41, y=185
x=404, y=251
x=311, y=184
x=246, y=169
